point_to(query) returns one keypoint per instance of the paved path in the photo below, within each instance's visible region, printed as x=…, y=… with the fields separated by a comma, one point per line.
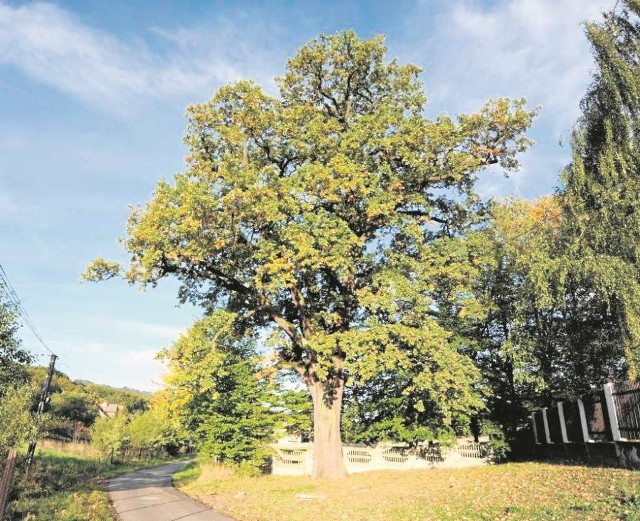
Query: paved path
x=149, y=495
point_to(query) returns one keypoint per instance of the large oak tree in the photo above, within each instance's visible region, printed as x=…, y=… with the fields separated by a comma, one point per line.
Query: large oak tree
x=321, y=214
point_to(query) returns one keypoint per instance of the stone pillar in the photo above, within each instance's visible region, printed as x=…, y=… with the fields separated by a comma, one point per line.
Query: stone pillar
x=583, y=421
x=611, y=409
x=535, y=428
x=547, y=434
x=563, y=425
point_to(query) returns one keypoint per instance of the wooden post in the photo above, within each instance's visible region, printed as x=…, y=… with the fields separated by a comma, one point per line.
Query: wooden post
x=7, y=480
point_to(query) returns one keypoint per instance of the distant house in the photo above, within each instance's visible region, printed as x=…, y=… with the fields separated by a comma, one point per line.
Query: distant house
x=109, y=410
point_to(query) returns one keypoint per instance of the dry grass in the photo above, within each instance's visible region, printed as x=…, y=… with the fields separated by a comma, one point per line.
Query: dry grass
x=516, y=491
x=76, y=448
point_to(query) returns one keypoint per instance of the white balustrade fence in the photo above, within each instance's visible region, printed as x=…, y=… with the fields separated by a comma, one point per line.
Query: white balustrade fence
x=296, y=459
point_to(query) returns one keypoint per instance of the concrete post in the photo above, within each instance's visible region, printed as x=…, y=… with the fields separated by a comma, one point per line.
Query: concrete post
x=563, y=425
x=546, y=425
x=535, y=428
x=583, y=421
x=611, y=409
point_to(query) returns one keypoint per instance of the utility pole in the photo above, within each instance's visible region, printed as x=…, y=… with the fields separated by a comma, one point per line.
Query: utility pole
x=43, y=400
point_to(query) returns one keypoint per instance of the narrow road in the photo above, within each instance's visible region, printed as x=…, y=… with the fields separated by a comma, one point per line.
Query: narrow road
x=149, y=495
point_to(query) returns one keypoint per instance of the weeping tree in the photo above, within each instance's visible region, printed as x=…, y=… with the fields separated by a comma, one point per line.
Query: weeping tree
x=313, y=215
x=601, y=196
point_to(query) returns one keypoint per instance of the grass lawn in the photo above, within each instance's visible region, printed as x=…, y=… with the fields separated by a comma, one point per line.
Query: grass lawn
x=536, y=491
x=64, y=486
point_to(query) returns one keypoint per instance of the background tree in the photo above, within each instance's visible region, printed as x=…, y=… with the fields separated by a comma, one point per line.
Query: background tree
x=74, y=406
x=151, y=431
x=17, y=424
x=294, y=410
x=70, y=413
x=314, y=214
x=602, y=185
x=111, y=435
x=13, y=357
x=217, y=394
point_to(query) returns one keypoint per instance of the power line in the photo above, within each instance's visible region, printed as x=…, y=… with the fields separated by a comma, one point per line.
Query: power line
x=15, y=301
x=13, y=298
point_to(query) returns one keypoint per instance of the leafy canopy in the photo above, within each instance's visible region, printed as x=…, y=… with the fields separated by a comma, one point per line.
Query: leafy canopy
x=316, y=213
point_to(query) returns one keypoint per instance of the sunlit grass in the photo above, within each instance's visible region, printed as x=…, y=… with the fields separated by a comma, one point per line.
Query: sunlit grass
x=515, y=491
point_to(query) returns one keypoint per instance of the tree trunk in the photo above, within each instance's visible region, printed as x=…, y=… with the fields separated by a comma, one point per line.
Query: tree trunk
x=327, y=441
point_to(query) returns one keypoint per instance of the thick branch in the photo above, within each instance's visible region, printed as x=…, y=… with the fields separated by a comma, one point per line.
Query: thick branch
x=298, y=300
x=420, y=213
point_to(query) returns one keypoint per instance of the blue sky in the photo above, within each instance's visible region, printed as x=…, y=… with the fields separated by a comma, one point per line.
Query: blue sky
x=92, y=97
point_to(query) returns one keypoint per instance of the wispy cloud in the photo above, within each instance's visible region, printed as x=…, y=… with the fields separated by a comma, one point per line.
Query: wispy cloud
x=56, y=48
x=155, y=334
x=532, y=48
x=145, y=355
x=514, y=48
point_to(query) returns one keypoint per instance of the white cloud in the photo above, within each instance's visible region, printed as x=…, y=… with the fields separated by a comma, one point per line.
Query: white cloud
x=52, y=46
x=514, y=48
x=144, y=355
x=151, y=331
x=142, y=369
x=531, y=48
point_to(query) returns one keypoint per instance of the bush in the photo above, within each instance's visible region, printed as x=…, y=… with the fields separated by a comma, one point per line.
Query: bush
x=17, y=423
x=499, y=448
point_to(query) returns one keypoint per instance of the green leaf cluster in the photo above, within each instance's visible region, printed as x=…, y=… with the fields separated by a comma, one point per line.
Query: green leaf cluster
x=17, y=423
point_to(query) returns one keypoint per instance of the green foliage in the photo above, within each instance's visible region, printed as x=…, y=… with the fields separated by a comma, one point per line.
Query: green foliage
x=141, y=431
x=132, y=399
x=325, y=215
x=295, y=411
x=64, y=487
x=600, y=196
x=13, y=357
x=110, y=434
x=535, y=330
x=73, y=405
x=76, y=407
x=217, y=396
x=152, y=430
x=499, y=448
x=388, y=408
x=17, y=423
